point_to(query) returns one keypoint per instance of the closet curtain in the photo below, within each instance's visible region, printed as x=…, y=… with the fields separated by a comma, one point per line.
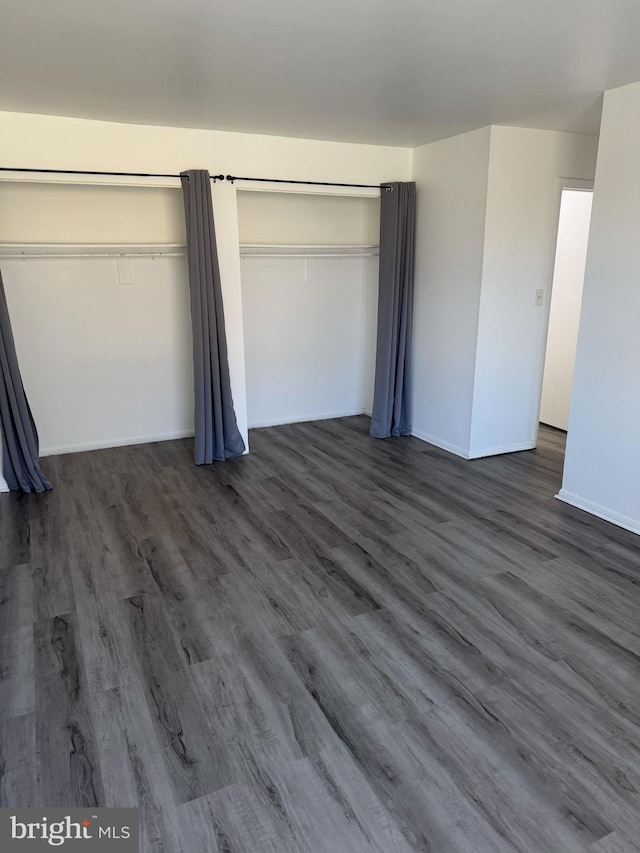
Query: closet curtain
x=217, y=436
x=20, y=464
x=391, y=415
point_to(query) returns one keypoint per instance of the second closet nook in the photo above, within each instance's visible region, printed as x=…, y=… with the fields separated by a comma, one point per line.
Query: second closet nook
x=309, y=289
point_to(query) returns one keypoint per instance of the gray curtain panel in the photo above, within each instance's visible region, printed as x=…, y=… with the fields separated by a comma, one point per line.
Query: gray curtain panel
x=217, y=436
x=391, y=406
x=20, y=465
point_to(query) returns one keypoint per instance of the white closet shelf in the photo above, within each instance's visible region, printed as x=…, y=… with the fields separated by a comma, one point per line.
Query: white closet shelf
x=281, y=250
x=176, y=250
x=92, y=250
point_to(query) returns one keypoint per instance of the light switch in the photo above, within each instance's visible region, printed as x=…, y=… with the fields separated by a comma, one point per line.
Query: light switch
x=539, y=297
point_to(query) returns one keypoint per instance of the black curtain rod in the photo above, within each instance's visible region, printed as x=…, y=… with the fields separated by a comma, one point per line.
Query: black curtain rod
x=214, y=178
x=116, y=174
x=234, y=178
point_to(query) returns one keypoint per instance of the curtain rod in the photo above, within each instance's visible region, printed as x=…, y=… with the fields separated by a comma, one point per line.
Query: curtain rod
x=214, y=178
x=234, y=178
x=115, y=174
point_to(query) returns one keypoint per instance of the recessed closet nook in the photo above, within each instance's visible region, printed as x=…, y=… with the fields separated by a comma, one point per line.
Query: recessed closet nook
x=97, y=275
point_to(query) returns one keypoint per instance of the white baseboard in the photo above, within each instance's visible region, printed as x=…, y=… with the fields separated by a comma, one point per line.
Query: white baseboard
x=465, y=454
x=439, y=442
x=4, y=486
x=101, y=444
x=496, y=451
x=299, y=419
x=604, y=512
x=104, y=443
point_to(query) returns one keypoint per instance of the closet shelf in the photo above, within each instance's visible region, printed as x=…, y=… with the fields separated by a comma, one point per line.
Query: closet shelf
x=176, y=250
x=92, y=250
x=282, y=250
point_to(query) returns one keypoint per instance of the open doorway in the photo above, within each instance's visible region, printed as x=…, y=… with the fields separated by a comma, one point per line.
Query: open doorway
x=564, y=314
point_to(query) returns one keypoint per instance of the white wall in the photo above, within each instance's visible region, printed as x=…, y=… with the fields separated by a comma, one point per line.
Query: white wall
x=488, y=205
x=103, y=364
x=564, y=314
x=451, y=185
x=63, y=213
x=29, y=140
x=310, y=345
x=602, y=464
x=32, y=141
x=300, y=219
x=525, y=168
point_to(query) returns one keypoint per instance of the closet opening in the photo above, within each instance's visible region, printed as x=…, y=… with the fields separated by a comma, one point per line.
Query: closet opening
x=97, y=287
x=309, y=270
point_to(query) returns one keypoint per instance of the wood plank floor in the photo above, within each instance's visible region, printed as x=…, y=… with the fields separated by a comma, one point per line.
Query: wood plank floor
x=333, y=645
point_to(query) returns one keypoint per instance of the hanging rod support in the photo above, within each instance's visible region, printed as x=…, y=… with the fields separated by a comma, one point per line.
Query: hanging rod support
x=234, y=178
x=214, y=178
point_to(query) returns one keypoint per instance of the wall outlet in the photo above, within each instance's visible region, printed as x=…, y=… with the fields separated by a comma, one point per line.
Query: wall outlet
x=539, y=302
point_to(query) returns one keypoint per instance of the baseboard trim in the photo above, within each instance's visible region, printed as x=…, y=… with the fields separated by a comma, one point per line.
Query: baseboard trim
x=4, y=486
x=439, y=442
x=301, y=419
x=103, y=444
x=604, y=512
x=496, y=451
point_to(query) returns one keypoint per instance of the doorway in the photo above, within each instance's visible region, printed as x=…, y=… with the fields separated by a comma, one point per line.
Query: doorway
x=564, y=313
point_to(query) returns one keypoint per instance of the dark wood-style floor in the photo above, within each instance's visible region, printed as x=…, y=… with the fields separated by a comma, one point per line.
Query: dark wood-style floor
x=333, y=645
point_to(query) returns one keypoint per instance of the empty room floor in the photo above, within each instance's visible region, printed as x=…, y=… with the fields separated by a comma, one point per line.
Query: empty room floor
x=332, y=645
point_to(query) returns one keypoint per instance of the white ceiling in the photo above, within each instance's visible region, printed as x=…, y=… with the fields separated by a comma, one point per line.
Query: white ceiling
x=398, y=72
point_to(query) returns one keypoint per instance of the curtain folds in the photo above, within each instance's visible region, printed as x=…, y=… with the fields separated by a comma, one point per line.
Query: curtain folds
x=217, y=436
x=20, y=464
x=391, y=415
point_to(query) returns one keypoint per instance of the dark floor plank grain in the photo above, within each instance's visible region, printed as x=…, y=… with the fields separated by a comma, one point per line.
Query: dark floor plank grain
x=135, y=773
x=614, y=843
x=193, y=752
x=67, y=760
x=334, y=644
x=17, y=682
x=18, y=762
